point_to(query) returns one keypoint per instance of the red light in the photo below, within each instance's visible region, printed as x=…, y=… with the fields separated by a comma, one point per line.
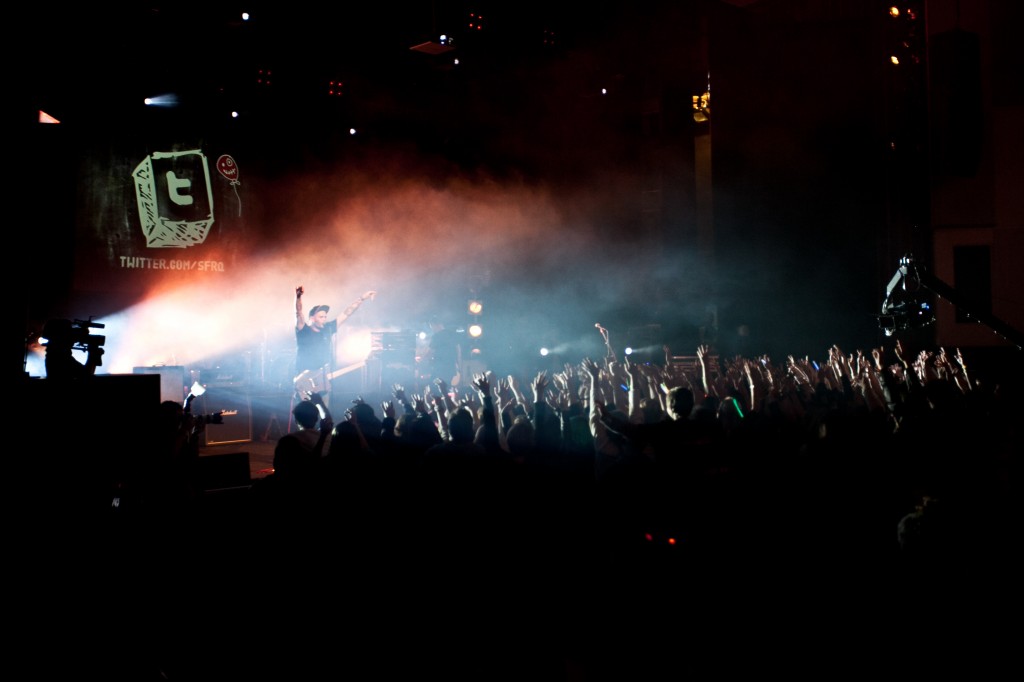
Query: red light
x=648, y=537
x=671, y=541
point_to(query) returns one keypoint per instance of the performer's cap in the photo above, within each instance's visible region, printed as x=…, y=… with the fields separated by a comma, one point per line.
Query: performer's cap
x=317, y=308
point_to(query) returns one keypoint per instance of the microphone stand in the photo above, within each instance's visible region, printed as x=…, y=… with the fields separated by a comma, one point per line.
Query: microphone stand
x=610, y=356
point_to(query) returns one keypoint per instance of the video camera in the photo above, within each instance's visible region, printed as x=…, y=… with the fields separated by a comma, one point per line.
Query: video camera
x=73, y=333
x=214, y=418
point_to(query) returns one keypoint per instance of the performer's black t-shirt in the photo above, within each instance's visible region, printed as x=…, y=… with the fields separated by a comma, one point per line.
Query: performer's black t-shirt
x=313, y=349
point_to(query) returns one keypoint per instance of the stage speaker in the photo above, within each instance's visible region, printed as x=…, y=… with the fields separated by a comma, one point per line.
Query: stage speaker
x=172, y=380
x=236, y=428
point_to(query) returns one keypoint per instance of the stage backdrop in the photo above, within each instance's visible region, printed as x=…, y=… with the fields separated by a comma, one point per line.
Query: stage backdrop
x=158, y=210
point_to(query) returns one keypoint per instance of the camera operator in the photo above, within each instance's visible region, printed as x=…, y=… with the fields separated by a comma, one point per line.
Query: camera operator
x=62, y=336
x=176, y=477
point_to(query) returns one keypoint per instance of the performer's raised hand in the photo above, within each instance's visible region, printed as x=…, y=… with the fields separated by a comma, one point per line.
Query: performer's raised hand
x=368, y=295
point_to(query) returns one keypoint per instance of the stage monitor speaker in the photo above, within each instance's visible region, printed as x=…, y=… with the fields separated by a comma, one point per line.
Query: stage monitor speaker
x=172, y=380
x=236, y=428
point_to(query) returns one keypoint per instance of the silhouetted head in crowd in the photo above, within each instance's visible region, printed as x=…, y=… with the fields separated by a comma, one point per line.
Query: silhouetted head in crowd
x=344, y=440
x=460, y=426
x=306, y=414
x=651, y=410
x=290, y=456
x=368, y=420
x=679, y=402
x=521, y=437
x=169, y=415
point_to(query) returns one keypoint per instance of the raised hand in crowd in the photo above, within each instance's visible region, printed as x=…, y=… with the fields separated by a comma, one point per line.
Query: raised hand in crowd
x=420, y=404
x=924, y=367
x=900, y=354
x=965, y=384
x=632, y=371
x=540, y=385
x=449, y=402
x=754, y=385
x=482, y=385
x=399, y=392
x=505, y=394
x=517, y=391
x=703, y=358
x=877, y=356
x=326, y=421
x=573, y=379
x=387, y=408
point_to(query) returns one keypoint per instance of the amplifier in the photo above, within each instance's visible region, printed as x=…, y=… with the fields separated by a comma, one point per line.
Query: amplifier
x=236, y=428
x=393, y=341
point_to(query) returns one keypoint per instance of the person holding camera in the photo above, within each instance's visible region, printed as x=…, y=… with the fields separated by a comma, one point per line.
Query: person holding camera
x=62, y=336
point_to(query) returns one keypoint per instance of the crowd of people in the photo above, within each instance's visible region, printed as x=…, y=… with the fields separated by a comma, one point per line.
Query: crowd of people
x=856, y=454
x=610, y=486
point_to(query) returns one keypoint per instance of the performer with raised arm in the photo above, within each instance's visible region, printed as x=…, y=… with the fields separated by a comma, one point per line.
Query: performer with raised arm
x=314, y=344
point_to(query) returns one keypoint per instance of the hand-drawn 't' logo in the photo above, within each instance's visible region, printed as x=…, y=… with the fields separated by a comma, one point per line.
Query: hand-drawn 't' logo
x=174, y=210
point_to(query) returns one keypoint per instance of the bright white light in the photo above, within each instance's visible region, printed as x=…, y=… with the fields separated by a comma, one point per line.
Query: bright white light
x=423, y=336
x=455, y=61
x=628, y=351
x=604, y=91
x=544, y=351
x=475, y=330
x=245, y=16
x=354, y=347
x=351, y=131
x=234, y=114
x=162, y=101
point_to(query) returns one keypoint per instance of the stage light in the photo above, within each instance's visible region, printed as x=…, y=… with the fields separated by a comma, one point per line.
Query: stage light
x=702, y=107
x=628, y=351
x=476, y=331
x=169, y=100
x=475, y=307
x=544, y=352
x=702, y=104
